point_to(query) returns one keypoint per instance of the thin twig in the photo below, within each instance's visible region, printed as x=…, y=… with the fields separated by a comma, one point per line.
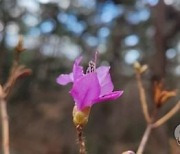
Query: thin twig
x=11, y=80
x=5, y=126
x=16, y=72
x=167, y=116
x=143, y=98
x=82, y=146
x=144, y=139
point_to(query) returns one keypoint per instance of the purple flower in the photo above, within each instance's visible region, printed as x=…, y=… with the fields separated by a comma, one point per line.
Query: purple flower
x=91, y=87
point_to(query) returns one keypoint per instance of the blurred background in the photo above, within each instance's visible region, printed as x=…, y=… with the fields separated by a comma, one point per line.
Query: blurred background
x=55, y=33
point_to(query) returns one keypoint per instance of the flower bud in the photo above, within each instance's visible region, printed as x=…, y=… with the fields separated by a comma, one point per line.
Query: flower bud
x=19, y=47
x=137, y=66
x=144, y=68
x=140, y=68
x=80, y=117
x=128, y=152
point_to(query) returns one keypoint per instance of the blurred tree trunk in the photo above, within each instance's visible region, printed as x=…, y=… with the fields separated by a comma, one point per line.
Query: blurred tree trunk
x=5, y=19
x=159, y=13
x=2, y=58
x=1, y=49
x=160, y=40
x=115, y=47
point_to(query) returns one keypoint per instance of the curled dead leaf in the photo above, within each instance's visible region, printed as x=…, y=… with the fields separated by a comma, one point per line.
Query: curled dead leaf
x=161, y=95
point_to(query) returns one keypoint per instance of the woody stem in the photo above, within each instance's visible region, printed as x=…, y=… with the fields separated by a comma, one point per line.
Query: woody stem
x=5, y=126
x=143, y=98
x=82, y=146
x=167, y=116
x=144, y=139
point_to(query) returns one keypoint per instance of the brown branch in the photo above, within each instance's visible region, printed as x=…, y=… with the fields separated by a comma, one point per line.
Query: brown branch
x=144, y=139
x=143, y=98
x=16, y=72
x=5, y=126
x=167, y=116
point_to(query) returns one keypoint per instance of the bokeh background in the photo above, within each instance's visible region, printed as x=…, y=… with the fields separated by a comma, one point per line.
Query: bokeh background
x=55, y=33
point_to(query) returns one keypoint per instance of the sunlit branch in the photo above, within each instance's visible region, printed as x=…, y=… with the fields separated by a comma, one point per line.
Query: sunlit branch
x=5, y=126
x=16, y=72
x=143, y=98
x=144, y=139
x=167, y=116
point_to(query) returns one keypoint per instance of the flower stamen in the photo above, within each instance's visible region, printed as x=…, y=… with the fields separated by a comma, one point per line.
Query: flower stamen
x=91, y=68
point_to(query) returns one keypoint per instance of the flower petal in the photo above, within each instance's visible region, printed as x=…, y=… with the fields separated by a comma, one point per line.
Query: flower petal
x=64, y=79
x=85, y=90
x=104, y=80
x=77, y=69
x=111, y=96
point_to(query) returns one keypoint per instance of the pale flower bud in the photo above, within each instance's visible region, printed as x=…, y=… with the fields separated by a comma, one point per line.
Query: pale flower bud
x=144, y=68
x=137, y=66
x=140, y=68
x=128, y=152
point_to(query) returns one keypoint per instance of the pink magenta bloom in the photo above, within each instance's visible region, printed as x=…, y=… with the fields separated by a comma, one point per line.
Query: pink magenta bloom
x=90, y=88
